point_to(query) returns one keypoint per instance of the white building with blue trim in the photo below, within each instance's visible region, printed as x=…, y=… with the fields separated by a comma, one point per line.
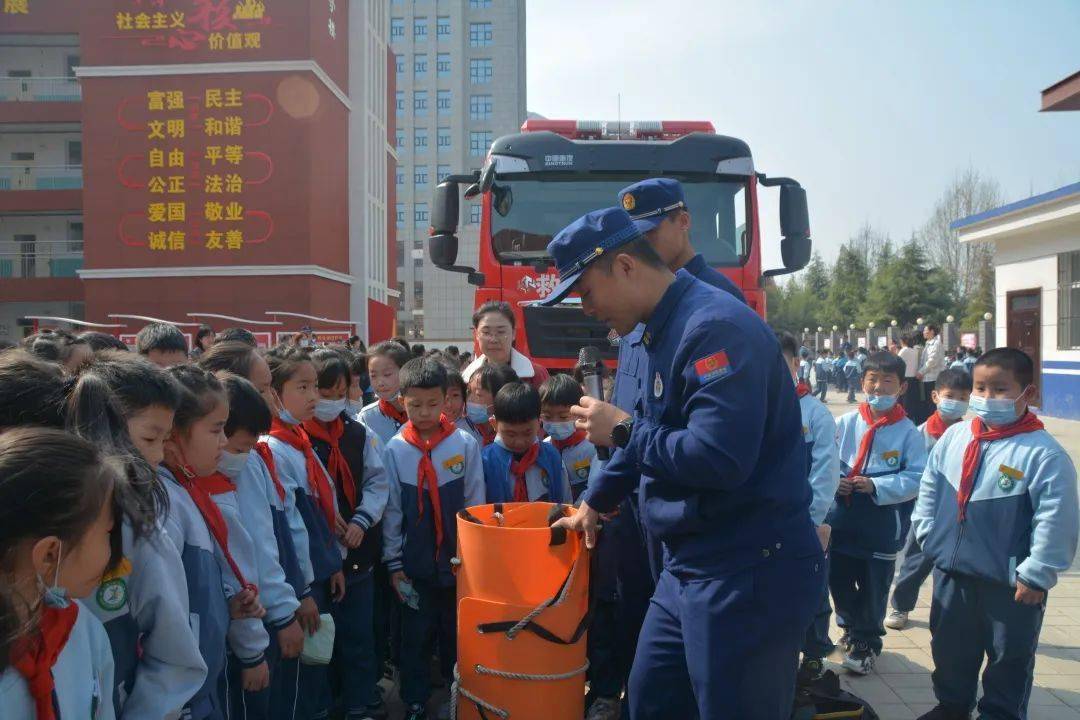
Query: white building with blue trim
x=1037, y=286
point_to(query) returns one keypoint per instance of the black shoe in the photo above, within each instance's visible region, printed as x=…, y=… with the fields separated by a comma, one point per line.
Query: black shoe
x=809, y=670
x=944, y=712
x=416, y=711
x=860, y=659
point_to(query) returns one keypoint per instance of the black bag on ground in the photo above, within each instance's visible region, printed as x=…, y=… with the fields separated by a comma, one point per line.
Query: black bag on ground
x=824, y=699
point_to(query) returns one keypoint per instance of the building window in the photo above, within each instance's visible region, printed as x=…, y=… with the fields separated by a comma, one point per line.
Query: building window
x=474, y=213
x=442, y=64
x=400, y=140
x=399, y=98
x=420, y=214
x=401, y=254
x=419, y=29
x=397, y=28
x=444, y=138
x=419, y=104
x=442, y=173
x=420, y=176
x=400, y=177
x=399, y=63
x=480, y=71
x=400, y=208
x=443, y=26
x=75, y=236
x=443, y=102
x=420, y=140
x=479, y=34
x=1069, y=300
x=477, y=4
x=419, y=65
x=479, y=142
x=480, y=107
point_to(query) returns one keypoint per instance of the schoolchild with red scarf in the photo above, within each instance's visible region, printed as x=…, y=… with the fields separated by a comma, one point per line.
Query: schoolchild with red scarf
x=882, y=456
x=435, y=470
x=353, y=456
x=56, y=513
x=484, y=384
x=558, y=394
x=997, y=516
x=305, y=478
x=222, y=596
x=952, y=389
x=386, y=415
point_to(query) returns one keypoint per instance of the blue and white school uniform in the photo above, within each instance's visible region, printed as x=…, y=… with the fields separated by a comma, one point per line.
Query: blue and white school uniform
x=578, y=461
x=382, y=425
x=545, y=481
x=464, y=423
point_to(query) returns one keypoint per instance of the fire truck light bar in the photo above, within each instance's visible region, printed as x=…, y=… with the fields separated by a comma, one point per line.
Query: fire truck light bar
x=616, y=130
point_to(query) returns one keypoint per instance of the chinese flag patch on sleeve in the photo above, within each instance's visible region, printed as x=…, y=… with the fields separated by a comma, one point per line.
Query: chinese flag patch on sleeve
x=712, y=367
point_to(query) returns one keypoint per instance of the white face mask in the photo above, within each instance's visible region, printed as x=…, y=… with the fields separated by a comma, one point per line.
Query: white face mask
x=287, y=417
x=54, y=596
x=560, y=430
x=232, y=465
x=328, y=410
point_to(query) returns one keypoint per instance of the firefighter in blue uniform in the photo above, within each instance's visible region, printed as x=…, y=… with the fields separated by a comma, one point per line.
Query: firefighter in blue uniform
x=716, y=442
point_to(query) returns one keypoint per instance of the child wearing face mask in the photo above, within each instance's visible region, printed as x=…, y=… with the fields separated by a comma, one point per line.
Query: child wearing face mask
x=386, y=415
x=56, y=514
x=457, y=390
x=557, y=395
x=353, y=455
x=997, y=516
x=484, y=385
x=223, y=602
x=951, y=392
x=881, y=459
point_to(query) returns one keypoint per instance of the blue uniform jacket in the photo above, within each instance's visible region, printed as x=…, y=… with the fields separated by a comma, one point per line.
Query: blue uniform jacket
x=717, y=439
x=546, y=481
x=822, y=460
x=711, y=276
x=374, y=420
x=144, y=606
x=83, y=677
x=1022, y=516
x=207, y=604
x=408, y=536
x=873, y=526
x=579, y=461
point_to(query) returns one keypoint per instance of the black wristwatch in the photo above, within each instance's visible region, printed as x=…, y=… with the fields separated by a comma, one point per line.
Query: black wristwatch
x=620, y=434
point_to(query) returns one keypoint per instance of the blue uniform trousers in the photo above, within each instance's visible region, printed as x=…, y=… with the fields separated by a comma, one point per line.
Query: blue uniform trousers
x=437, y=615
x=635, y=585
x=816, y=643
x=971, y=619
x=860, y=593
x=354, y=665
x=914, y=570
x=253, y=705
x=313, y=699
x=725, y=647
x=822, y=389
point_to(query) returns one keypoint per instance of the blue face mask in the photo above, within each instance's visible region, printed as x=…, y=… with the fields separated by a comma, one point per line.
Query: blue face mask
x=994, y=411
x=881, y=403
x=287, y=417
x=54, y=596
x=328, y=410
x=560, y=430
x=950, y=409
x=353, y=407
x=477, y=413
x=231, y=465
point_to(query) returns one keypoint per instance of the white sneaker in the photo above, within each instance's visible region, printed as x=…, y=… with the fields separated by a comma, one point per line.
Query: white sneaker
x=897, y=620
x=860, y=660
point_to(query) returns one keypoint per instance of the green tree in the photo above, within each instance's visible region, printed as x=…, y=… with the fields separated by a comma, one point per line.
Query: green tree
x=816, y=277
x=905, y=288
x=981, y=300
x=792, y=307
x=851, y=278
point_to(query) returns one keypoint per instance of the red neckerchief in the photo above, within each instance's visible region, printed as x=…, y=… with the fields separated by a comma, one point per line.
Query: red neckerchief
x=936, y=425
x=895, y=415
x=330, y=433
x=973, y=452
x=200, y=489
x=390, y=410
x=267, y=456
x=573, y=441
x=34, y=657
x=802, y=389
x=318, y=483
x=487, y=432
x=519, y=467
x=426, y=475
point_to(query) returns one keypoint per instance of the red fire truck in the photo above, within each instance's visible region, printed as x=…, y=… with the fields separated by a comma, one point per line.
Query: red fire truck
x=536, y=182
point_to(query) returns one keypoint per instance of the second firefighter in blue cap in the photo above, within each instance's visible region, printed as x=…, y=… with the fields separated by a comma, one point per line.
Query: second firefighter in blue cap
x=716, y=441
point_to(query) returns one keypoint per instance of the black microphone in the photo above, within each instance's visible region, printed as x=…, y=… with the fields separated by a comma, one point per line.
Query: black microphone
x=591, y=368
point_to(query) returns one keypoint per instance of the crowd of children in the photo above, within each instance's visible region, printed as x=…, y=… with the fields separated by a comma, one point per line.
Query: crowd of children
x=238, y=534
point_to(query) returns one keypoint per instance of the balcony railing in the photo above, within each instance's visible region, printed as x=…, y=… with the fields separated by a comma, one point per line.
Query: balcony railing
x=40, y=89
x=48, y=259
x=40, y=177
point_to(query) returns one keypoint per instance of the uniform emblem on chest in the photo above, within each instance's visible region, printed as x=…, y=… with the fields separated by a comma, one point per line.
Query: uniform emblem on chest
x=581, y=469
x=112, y=594
x=455, y=464
x=891, y=458
x=1007, y=477
x=658, y=386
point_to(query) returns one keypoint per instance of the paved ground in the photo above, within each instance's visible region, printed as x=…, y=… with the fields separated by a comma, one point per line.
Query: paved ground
x=900, y=686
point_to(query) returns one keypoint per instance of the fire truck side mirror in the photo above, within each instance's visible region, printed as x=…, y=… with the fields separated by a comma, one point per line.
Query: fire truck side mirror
x=443, y=242
x=794, y=227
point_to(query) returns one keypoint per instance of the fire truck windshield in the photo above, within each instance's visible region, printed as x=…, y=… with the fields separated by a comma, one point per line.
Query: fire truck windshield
x=527, y=212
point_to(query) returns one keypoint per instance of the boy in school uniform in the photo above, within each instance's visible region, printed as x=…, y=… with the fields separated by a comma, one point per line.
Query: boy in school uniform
x=162, y=344
x=951, y=392
x=821, y=375
x=558, y=394
x=386, y=415
x=517, y=466
x=823, y=470
x=881, y=459
x=852, y=371
x=997, y=515
x=434, y=470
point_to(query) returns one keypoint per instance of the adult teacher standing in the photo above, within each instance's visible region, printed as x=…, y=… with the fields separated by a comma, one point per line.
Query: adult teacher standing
x=493, y=327
x=933, y=362
x=717, y=443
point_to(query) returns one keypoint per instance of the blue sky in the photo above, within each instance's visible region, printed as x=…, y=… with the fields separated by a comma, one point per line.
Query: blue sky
x=873, y=106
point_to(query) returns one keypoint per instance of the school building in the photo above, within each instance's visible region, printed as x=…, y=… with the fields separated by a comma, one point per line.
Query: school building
x=183, y=158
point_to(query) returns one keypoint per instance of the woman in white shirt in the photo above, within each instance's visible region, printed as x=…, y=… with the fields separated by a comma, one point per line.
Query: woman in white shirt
x=933, y=362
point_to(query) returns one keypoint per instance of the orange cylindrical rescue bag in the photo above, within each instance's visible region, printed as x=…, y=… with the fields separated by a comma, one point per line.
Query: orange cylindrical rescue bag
x=523, y=609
